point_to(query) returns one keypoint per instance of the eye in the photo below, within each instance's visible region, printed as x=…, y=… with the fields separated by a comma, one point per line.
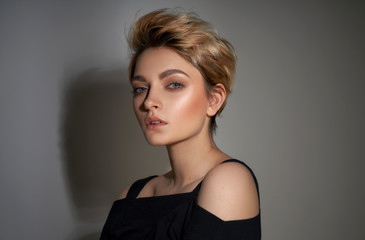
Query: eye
x=175, y=85
x=138, y=90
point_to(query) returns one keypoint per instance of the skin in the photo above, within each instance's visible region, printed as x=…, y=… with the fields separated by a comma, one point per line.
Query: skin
x=168, y=87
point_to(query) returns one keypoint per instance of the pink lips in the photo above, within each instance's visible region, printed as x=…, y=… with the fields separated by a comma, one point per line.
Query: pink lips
x=153, y=123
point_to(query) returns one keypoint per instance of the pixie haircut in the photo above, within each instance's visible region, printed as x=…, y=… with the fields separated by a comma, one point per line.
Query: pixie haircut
x=193, y=39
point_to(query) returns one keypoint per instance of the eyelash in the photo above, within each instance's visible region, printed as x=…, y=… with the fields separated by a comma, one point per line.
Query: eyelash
x=135, y=90
x=140, y=90
x=175, y=83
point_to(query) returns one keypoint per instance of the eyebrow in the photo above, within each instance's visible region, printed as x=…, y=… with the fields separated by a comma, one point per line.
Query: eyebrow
x=138, y=78
x=161, y=75
x=170, y=72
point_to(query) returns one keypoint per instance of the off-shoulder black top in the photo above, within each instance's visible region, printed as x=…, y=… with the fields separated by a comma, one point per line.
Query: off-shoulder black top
x=176, y=216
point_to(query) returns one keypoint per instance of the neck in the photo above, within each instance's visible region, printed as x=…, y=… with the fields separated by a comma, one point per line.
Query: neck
x=192, y=159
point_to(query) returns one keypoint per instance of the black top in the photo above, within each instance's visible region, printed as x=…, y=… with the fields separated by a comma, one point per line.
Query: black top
x=176, y=216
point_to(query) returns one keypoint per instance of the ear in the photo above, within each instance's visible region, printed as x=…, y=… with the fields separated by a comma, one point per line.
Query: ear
x=217, y=96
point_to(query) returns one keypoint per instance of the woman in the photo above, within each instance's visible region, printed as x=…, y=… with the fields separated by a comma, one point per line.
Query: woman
x=181, y=72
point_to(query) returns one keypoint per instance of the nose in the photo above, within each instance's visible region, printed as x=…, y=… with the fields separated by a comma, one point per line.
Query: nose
x=152, y=100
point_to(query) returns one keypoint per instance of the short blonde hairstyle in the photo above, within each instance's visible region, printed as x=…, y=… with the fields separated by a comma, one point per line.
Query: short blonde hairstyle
x=193, y=39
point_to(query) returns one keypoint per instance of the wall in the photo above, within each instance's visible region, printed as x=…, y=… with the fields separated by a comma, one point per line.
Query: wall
x=70, y=143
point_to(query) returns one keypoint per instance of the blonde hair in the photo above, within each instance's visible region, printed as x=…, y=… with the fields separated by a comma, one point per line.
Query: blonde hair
x=193, y=39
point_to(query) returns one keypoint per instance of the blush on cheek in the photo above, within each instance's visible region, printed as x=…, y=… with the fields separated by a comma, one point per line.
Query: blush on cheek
x=193, y=106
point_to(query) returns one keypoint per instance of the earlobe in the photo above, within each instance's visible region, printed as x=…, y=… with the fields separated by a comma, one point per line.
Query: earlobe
x=217, y=96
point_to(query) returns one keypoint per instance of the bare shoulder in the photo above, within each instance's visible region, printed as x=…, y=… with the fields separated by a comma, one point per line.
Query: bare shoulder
x=229, y=192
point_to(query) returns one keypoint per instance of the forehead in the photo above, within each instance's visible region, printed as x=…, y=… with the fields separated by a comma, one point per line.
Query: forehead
x=154, y=61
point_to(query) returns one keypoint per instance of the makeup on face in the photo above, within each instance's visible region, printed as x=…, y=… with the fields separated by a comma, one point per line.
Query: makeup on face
x=169, y=98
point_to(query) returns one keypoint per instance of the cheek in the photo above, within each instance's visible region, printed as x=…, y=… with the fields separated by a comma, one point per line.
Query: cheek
x=191, y=106
x=137, y=108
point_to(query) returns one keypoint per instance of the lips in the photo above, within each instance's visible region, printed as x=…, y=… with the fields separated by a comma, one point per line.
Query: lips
x=153, y=122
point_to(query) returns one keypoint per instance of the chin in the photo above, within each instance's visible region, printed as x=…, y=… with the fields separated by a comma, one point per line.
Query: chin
x=165, y=138
x=156, y=140
x=156, y=144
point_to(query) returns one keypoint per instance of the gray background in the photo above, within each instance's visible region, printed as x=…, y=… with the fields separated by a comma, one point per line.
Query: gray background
x=70, y=142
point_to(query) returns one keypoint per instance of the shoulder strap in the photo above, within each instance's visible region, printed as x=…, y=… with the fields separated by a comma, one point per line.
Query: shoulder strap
x=244, y=164
x=137, y=186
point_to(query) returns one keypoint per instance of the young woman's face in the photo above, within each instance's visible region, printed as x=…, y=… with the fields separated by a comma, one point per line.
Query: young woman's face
x=170, y=99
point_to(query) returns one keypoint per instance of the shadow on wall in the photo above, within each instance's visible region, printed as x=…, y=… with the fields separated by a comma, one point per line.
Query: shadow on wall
x=104, y=148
